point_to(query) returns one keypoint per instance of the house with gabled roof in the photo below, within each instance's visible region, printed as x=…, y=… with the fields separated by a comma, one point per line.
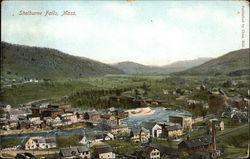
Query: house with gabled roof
x=39, y=143
x=172, y=131
x=154, y=128
x=139, y=134
x=97, y=137
x=103, y=152
x=75, y=152
x=148, y=152
x=195, y=145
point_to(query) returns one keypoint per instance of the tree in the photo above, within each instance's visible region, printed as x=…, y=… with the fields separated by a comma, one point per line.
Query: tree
x=1, y=112
x=204, y=112
x=216, y=103
x=136, y=93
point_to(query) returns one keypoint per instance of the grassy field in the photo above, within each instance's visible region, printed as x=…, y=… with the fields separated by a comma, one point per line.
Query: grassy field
x=11, y=142
x=234, y=152
x=122, y=147
x=53, y=91
x=234, y=145
x=67, y=141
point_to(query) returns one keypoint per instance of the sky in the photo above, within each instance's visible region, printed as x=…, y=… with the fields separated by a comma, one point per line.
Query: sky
x=147, y=32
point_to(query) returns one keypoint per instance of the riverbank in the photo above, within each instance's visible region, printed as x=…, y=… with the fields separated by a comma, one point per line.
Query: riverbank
x=140, y=111
x=37, y=130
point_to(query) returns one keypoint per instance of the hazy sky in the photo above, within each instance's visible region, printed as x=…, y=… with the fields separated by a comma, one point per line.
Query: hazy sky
x=148, y=32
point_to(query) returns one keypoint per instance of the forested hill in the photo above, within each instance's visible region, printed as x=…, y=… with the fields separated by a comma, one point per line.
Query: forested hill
x=233, y=63
x=46, y=63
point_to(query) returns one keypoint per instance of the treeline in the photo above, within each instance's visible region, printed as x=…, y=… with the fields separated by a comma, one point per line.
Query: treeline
x=100, y=98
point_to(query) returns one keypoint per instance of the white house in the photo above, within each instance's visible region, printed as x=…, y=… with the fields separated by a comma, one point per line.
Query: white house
x=39, y=143
x=154, y=128
x=89, y=138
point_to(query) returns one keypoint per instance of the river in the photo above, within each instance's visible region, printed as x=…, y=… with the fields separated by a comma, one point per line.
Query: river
x=160, y=114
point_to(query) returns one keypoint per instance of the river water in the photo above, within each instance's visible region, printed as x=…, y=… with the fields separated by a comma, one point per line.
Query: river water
x=160, y=114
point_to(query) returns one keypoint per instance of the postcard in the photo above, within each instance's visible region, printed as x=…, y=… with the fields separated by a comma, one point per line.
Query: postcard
x=125, y=79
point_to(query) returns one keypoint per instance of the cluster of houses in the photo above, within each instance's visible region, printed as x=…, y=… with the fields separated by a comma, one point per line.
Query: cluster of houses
x=85, y=152
x=53, y=116
x=39, y=143
x=172, y=129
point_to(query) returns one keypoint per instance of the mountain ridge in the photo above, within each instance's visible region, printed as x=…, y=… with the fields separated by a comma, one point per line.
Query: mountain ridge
x=130, y=67
x=41, y=62
x=222, y=65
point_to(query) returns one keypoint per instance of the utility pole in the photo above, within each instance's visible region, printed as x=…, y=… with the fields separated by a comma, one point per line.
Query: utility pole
x=0, y=142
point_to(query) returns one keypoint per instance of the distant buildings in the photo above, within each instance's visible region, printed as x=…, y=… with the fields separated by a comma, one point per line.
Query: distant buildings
x=156, y=152
x=96, y=137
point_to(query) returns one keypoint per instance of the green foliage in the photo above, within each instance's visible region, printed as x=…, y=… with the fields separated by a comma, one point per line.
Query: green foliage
x=34, y=62
x=10, y=142
x=238, y=138
x=67, y=141
x=33, y=91
x=123, y=147
x=1, y=112
x=50, y=156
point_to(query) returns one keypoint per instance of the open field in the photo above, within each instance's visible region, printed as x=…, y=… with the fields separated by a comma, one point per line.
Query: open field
x=23, y=93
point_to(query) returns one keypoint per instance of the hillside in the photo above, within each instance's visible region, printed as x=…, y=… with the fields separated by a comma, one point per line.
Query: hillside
x=226, y=64
x=46, y=63
x=136, y=68
x=185, y=64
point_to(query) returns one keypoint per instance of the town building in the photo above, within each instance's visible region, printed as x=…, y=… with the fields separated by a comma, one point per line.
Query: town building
x=92, y=116
x=109, y=117
x=75, y=152
x=192, y=146
x=219, y=124
x=69, y=116
x=148, y=152
x=184, y=121
x=39, y=143
x=52, y=112
x=103, y=152
x=118, y=129
x=16, y=113
x=64, y=107
x=154, y=128
x=139, y=135
x=172, y=131
x=98, y=137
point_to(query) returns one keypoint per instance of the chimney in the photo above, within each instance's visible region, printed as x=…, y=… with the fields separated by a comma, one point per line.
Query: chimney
x=213, y=135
